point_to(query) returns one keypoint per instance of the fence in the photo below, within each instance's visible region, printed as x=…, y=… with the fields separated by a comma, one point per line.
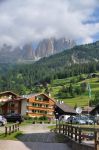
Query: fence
x=80, y=134
x=97, y=140
x=70, y=131
x=11, y=128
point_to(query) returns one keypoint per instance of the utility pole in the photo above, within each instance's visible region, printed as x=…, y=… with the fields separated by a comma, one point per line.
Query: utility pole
x=89, y=92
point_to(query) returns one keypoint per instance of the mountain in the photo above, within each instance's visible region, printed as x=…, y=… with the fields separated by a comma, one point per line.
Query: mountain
x=77, y=55
x=51, y=46
x=44, y=48
x=22, y=78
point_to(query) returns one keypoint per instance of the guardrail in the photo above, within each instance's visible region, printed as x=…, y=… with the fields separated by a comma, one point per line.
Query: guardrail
x=80, y=134
x=11, y=128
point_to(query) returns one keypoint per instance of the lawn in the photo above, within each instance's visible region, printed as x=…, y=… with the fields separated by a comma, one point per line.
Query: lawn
x=78, y=101
x=81, y=100
x=12, y=136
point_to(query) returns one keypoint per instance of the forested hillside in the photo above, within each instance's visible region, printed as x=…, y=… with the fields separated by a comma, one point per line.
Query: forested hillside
x=22, y=78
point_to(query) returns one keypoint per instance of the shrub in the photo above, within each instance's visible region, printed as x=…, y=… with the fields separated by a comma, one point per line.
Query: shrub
x=43, y=118
x=26, y=117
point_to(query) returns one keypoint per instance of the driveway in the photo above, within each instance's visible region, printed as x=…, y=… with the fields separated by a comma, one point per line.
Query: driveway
x=35, y=137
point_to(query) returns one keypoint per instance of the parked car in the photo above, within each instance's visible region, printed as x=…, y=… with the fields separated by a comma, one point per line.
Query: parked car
x=88, y=136
x=64, y=118
x=80, y=120
x=14, y=118
x=88, y=119
x=76, y=120
x=71, y=119
x=3, y=121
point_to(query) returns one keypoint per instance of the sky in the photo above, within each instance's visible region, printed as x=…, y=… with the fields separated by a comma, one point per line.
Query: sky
x=23, y=21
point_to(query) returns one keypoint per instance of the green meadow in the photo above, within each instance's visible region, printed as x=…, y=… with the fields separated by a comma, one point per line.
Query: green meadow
x=81, y=100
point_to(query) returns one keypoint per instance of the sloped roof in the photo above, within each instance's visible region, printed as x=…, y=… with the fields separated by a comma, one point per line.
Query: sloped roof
x=8, y=92
x=87, y=109
x=95, y=109
x=66, y=108
x=37, y=94
x=8, y=99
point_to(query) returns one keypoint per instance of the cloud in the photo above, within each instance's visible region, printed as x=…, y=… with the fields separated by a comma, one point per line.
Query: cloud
x=32, y=20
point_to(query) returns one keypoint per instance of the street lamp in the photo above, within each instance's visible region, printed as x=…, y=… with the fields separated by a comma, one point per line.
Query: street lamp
x=56, y=118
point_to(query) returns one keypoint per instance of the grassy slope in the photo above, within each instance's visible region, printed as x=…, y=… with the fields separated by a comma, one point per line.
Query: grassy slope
x=81, y=100
x=13, y=136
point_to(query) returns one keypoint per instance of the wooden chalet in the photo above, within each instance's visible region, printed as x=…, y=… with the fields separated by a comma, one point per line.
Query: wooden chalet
x=40, y=105
x=63, y=109
x=10, y=103
x=33, y=105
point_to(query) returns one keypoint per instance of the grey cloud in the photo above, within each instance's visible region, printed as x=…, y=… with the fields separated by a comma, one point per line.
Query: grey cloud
x=28, y=20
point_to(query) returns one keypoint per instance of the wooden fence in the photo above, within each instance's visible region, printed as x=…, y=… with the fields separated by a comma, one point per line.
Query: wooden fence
x=96, y=140
x=11, y=128
x=70, y=131
x=79, y=134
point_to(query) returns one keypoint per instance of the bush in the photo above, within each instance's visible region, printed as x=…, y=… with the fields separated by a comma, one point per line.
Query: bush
x=33, y=122
x=26, y=117
x=35, y=118
x=43, y=118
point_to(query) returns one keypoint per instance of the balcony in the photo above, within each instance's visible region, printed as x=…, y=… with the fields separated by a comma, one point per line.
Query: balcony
x=38, y=101
x=39, y=115
x=39, y=108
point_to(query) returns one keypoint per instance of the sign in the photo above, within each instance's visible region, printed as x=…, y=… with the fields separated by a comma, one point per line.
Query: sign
x=78, y=110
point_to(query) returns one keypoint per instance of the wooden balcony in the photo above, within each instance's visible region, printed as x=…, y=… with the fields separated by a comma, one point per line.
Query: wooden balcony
x=39, y=115
x=42, y=105
x=40, y=108
x=38, y=101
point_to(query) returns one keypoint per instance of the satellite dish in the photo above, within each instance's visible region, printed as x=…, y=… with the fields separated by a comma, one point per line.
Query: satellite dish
x=78, y=110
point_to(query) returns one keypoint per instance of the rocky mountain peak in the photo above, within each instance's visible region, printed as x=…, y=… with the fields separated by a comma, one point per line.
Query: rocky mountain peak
x=52, y=45
x=44, y=48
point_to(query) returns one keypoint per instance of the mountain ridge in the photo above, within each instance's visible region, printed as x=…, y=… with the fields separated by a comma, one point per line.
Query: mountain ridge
x=44, y=48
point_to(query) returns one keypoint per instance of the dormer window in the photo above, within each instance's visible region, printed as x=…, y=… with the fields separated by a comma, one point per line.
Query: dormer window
x=11, y=104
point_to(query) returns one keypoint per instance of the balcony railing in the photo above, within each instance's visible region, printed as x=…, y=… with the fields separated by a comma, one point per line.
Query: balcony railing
x=39, y=108
x=40, y=114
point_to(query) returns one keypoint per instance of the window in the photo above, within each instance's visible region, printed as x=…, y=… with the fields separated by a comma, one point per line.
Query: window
x=45, y=112
x=12, y=111
x=11, y=104
x=34, y=111
x=46, y=106
x=40, y=105
x=40, y=98
x=34, y=104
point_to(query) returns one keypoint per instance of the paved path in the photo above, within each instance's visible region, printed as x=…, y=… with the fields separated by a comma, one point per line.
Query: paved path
x=35, y=137
x=37, y=133
x=17, y=145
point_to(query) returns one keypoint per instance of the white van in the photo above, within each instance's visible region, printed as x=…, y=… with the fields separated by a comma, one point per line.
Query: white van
x=64, y=118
